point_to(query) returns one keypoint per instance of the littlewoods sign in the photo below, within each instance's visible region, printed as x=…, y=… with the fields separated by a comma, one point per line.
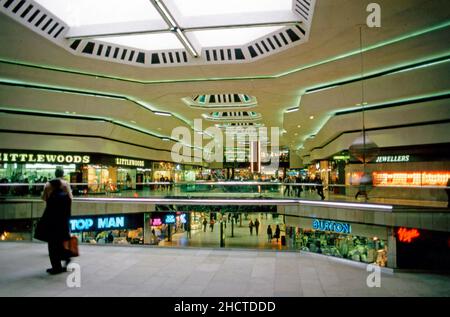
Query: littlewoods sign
x=43, y=158
x=129, y=162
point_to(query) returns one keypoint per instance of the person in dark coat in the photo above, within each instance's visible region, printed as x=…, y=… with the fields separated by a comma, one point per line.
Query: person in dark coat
x=277, y=233
x=257, y=226
x=269, y=233
x=55, y=225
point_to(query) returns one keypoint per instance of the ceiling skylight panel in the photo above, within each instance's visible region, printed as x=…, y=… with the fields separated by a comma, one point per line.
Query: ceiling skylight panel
x=195, y=8
x=93, y=12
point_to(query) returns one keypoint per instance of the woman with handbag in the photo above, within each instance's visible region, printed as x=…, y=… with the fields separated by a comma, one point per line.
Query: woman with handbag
x=53, y=227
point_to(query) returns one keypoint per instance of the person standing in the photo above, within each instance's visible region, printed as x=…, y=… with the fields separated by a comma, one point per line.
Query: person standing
x=48, y=188
x=205, y=223
x=211, y=224
x=277, y=232
x=287, y=187
x=250, y=226
x=53, y=227
x=299, y=188
x=269, y=233
x=256, y=226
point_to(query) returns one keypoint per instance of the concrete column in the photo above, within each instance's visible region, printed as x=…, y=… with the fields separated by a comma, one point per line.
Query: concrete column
x=392, y=248
x=147, y=228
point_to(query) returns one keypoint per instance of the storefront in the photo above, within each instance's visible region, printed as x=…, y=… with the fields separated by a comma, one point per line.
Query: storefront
x=115, y=229
x=398, y=172
x=99, y=173
x=422, y=249
x=34, y=167
x=164, y=171
x=163, y=225
x=356, y=242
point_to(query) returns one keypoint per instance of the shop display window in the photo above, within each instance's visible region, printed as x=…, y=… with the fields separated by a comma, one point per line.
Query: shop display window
x=356, y=248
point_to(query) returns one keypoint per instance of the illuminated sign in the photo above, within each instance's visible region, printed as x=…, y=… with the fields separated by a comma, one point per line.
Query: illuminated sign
x=100, y=223
x=129, y=162
x=407, y=235
x=169, y=219
x=392, y=159
x=329, y=225
x=156, y=222
x=183, y=218
x=341, y=157
x=43, y=158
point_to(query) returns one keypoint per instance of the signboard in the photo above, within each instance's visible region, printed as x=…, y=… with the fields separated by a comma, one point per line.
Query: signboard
x=26, y=157
x=167, y=218
x=129, y=162
x=94, y=224
x=393, y=159
x=105, y=222
x=330, y=225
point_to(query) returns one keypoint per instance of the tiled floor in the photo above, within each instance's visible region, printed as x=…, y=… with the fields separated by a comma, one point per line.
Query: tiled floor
x=146, y=271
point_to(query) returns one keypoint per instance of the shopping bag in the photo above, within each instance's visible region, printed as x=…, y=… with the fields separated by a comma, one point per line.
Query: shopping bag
x=72, y=246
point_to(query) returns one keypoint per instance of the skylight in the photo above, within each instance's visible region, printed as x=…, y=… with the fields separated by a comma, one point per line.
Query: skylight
x=93, y=12
x=195, y=8
x=228, y=37
x=201, y=28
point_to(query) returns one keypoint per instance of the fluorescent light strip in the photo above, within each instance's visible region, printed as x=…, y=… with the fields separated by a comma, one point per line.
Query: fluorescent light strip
x=346, y=205
x=292, y=110
x=164, y=114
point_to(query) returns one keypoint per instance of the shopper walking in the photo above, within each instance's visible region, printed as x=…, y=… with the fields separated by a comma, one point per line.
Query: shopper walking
x=53, y=227
x=269, y=233
x=256, y=226
x=319, y=187
x=250, y=226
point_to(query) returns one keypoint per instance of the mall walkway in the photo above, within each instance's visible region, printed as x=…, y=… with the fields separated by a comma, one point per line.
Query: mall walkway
x=241, y=237
x=146, y=271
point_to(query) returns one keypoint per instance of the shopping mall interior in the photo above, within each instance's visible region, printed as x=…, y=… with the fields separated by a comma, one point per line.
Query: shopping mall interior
x=294, y=141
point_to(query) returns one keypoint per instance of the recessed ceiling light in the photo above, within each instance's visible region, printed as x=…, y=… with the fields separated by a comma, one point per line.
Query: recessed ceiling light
x=299, y=126
x=165, y=114
x=159, y=129
x=292, y=109
x=132, y=121
x=295, y=134
x=311, y=117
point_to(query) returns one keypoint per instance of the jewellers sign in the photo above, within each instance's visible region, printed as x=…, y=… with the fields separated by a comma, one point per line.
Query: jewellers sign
x=21, y=157
x=393, y=159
